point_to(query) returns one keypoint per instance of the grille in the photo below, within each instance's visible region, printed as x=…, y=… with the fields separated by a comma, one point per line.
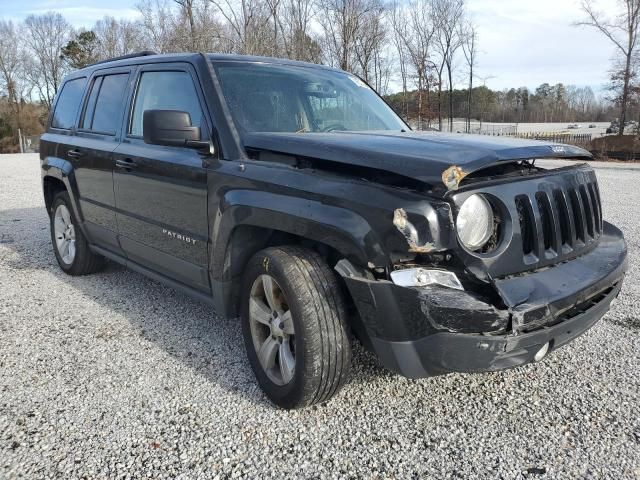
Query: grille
x=554, y=218
x=557, y=221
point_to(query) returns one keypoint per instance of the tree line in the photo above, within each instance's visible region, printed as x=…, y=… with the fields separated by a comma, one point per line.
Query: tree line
x=424, y=48
x=546, y=103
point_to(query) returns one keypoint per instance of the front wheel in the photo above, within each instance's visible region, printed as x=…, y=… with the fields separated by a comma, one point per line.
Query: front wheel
x=294, y=326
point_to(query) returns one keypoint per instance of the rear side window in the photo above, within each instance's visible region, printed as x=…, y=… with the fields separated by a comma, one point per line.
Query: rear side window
x=91, y=104
x=165, y=91
x=104, y=108
x=67, y=105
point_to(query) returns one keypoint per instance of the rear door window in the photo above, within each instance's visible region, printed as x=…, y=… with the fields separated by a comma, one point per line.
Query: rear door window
x=87, y=117
x=67, y=105
x=104, y=108
x=165, y=90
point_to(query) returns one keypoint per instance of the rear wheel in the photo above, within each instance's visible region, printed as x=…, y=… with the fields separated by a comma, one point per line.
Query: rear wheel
x=69, y=244
x=294, y=326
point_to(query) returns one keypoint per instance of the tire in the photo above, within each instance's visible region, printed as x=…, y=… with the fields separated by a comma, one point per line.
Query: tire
x=302, y=282
x=83, y=261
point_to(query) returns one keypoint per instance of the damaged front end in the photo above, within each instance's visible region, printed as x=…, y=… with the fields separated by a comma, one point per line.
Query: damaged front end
x=550, y=273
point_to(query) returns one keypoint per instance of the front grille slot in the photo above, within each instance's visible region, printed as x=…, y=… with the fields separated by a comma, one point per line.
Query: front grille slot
x=595, y=200
x=578, y=215
x=527, y=223
x=588, y=210
x=546, y=220
x=564, y=219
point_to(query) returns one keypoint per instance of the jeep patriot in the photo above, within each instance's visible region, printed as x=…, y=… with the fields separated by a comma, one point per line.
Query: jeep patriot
x=291, y=195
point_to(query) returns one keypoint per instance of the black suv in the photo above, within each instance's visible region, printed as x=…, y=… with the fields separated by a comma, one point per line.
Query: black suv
x=292, y=196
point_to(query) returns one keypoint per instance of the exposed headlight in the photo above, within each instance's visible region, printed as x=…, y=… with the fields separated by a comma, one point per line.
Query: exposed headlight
x=475, y=222
x=422, y=277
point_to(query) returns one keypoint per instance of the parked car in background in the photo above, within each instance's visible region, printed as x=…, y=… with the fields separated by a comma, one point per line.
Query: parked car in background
x=290, y=195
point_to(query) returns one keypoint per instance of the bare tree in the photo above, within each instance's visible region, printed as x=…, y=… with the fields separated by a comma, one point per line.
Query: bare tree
x=342, y=22
x=586, y=100
x=369, y=45
x=12, y=69
x=448, y=14
x=419, y=45
x=622, y=31
x=275, y=10
x=295, y=24
x=382, y=69
x=400, y=33
x=469, y=35
x=195, y=27
x=186, y=7
x=45, y=36
x=157, y=25
x=117, y=37
x=247, y=22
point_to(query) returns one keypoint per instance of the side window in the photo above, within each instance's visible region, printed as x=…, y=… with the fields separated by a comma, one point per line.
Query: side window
x=64, y=115
x=170, y=90
x=87, y=117
x=104, y=108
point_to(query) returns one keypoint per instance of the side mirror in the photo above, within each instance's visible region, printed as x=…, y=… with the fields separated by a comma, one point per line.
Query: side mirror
x=171, y=128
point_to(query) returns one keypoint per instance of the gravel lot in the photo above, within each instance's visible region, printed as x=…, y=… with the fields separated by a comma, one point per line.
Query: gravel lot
x=114, y=375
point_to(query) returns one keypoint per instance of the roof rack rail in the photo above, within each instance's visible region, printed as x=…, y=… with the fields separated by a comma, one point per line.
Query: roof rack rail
x=144, y=53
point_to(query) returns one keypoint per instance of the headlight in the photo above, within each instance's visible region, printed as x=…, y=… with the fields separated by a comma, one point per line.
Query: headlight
x=475, y=222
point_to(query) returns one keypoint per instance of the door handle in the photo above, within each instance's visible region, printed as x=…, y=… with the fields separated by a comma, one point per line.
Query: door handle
x=126, y=163
x=75, y=153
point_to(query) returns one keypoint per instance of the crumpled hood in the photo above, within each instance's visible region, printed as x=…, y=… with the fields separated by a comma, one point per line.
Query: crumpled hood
x=432, y=157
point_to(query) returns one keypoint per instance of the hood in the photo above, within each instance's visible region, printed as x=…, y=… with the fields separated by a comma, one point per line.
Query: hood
x=431, y=157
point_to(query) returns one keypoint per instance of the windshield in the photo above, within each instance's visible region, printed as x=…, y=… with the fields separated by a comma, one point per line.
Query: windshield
x=284, y=98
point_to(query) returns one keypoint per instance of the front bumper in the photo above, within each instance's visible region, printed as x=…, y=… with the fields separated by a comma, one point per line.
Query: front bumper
x=420, y=332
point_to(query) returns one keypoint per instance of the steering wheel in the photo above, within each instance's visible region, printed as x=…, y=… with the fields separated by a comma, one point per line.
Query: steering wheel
x=333, y=127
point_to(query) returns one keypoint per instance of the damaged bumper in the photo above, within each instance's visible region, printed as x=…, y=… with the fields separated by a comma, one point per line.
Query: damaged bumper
x=421, y=332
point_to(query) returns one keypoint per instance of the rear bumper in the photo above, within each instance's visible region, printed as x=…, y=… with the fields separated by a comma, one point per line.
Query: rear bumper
x=421, y=332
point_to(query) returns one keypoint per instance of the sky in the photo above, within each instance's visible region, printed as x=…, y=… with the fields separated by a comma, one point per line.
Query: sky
x=521, y=42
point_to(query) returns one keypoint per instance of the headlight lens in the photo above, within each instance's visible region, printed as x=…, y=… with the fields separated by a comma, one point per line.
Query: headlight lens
x=475, y=222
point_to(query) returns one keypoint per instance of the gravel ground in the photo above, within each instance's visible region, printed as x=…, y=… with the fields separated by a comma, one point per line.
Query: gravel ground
x=114, y=375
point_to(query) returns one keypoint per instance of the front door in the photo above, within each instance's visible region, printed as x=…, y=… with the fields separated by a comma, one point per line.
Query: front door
x=161, y=192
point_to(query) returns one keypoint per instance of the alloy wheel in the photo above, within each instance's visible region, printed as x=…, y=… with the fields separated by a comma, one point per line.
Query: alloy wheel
x=272, y=329
x=65, y=234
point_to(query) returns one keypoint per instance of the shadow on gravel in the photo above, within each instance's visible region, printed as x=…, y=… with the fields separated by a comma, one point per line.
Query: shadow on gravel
x=632, y=323
x=183, y=327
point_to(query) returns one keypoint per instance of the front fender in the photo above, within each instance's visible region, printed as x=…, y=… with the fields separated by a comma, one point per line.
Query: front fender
x=342, y=229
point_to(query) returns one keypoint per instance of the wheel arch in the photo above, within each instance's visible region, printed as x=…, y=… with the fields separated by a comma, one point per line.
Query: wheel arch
x=51, y=186
x=59, y=175
x=244, y=226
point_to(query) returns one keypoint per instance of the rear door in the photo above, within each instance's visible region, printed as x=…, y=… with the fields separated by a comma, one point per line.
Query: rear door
x=97, y=136
x=161, y=192
x=58, y=144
